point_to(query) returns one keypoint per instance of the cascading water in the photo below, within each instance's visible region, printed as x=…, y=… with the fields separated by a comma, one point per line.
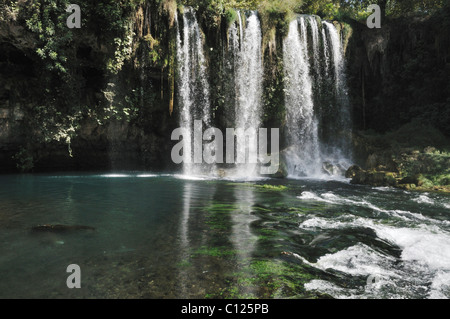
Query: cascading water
x=310, y=153
x=303, y=156
x=316, y=47
x=326, y=54
x=312, y=59
x=249, y=77
x=193, y=86
x=338, y=151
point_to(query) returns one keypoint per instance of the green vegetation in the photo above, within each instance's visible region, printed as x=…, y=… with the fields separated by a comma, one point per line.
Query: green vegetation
x=121, y=65
x=278, y=188
x=416, y=156
x=267, y=279
x=265, y=187
x=214, y=251
x=330, y=9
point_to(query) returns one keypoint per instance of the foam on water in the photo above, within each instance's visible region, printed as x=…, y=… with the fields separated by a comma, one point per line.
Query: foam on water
x=424, y=244
x=440, y=287
x=358, y=260
x=383, y=188
x=423, y=199
x=192, y=177
x=332, y=198
x=115, y=175
x=146, y=175
x=331, y=289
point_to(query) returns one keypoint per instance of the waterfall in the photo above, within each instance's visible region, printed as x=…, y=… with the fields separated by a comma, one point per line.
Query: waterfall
x=316, y=99
x=316, y=47
x=338, y=150
x=303, y=156
x=193, y=86
x=249, y=77
x=241, y=31
x=310, y=106
x=326, y=55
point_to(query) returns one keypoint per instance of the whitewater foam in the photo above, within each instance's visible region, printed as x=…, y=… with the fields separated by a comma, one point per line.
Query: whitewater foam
x=423, y=199
x=425, y=254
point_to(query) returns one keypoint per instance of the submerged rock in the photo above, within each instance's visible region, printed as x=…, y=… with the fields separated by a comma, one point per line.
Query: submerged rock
x=60, y=228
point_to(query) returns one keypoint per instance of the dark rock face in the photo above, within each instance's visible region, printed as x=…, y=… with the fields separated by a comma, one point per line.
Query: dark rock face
x=353, y=171
x=101, y=141
x=393, y=72
x=400, y=72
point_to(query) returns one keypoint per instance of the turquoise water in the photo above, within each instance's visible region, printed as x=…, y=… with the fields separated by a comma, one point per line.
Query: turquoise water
x=166, y=236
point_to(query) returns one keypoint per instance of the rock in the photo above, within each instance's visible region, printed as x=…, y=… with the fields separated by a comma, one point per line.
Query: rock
x=429, y=150
x=410, y=180
x=372, y=161
x=282, y=171
x=352, y=171
x=328, y=168
x=333, y=169
x=221, y=173
x=4, y=113
x=374, y=178
x=60, y=228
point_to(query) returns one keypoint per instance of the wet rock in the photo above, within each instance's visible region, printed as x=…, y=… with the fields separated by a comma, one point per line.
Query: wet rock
x=353, y=171
x=410, y=180
x=282, y=171
x=333, y=169
x=374, y=178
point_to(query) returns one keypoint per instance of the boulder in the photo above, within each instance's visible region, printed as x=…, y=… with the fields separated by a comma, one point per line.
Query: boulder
x=353, y=171
x=374, y=178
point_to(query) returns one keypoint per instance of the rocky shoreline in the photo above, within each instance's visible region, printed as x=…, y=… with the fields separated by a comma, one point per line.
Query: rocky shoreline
x=415, y=157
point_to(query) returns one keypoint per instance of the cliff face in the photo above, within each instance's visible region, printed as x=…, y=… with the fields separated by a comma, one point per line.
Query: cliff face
x=17, y=88
x=401, y=72
x=399, y=79
x=89, y=116
x=96, y=115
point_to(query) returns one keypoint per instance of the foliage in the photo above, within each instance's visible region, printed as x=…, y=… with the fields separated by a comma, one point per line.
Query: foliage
x=325, y=8
x=276, y=14
x=412, y=82
x=24, y=160
x=357, y=9
x=56, y=113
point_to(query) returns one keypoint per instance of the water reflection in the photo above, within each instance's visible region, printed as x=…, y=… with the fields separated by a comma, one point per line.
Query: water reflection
x=184, y=240
x=165, y=237
x=242, y=237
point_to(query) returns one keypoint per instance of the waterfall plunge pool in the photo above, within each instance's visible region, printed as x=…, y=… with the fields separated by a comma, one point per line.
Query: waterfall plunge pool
x=162, y=236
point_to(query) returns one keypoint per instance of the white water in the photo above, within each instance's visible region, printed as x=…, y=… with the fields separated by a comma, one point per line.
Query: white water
x=326, y=55
x=316, y=48
x=193, y=86
x=424, y=264
x=302, y=156
x=249, y=77
x=340, y=151
x=305, y=154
